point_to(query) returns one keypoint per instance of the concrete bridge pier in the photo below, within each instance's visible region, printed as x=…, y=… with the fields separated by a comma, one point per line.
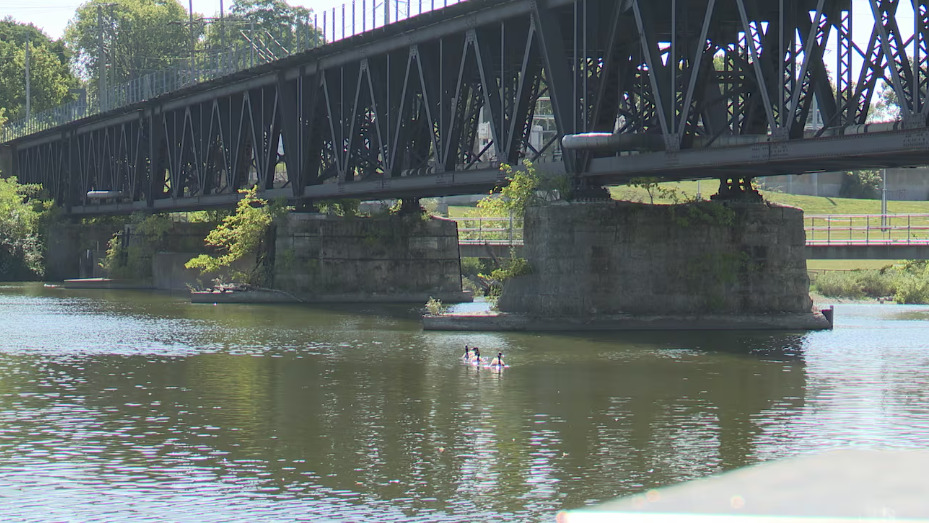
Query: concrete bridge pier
x=311, y=257
x=697, y=265
x=6, y=161
x=395, y=258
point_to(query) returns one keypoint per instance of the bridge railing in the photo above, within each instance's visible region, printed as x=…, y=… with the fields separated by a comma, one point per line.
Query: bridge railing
x=476, y=230
x=350, y=19
x=866, y=229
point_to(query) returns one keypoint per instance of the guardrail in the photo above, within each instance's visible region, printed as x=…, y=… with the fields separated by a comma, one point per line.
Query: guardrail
x=867, y=229
x=331, y=25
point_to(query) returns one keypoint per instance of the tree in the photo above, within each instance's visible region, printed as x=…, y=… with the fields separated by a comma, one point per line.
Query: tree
x=272, y=28
x=138, y=37
x=865, y=184
x=887, y=107
x=514, y=197
x=49, y=74
x=21, y=214
x=238, y=236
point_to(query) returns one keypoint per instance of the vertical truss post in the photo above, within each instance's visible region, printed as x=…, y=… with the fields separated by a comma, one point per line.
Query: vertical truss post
x=559, y=76
x=844, y=85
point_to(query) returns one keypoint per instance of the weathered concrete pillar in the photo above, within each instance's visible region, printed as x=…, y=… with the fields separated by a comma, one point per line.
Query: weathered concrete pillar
x=73, y=250
x=404, y=258
x=6, y=161
x=599, y=259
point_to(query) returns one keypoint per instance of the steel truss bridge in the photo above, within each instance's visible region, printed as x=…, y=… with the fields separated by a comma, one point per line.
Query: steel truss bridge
x=675, y=89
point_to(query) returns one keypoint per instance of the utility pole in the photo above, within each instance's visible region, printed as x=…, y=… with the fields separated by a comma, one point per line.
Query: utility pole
x=101, y=61
x=222, y=28
x=193, y=39
x=884, y=198
x=28, y=84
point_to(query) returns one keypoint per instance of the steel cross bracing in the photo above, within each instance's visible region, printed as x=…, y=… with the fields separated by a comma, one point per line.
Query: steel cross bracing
x=430, y=106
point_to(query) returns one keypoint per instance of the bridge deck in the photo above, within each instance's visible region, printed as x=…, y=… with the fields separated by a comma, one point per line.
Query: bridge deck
x=598, y=90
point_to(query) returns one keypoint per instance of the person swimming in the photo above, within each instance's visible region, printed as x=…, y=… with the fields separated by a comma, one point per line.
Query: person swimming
x=497, y=361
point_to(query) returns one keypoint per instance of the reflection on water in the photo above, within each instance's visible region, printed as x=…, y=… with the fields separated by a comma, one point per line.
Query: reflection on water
x=138, y=405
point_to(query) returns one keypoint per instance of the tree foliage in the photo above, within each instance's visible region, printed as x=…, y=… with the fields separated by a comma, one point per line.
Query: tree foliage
x=49, y=73
x=238, y=236
x=906, y=283
x=861, y=184
x=21, y=216
x=515, y=196
x=271, y=28
x=139, y=37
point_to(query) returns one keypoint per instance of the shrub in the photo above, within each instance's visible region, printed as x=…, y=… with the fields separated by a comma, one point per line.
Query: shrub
x=876, y=284
x=861, y=184
x=911, y=288
x=435, y=307
x=839, y=284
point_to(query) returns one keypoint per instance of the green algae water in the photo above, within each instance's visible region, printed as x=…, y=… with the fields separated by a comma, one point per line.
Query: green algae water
x=120, y=405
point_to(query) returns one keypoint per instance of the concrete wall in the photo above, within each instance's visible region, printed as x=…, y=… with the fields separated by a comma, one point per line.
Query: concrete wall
x=396, y=255
x=902, y=184
x=169, y=273
x=74, y=250
x=313, y=255
x=6, y=161
x=627, y=258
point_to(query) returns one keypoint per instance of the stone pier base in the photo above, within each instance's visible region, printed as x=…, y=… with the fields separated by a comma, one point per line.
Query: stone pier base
x=405, y=258
x=600, y=260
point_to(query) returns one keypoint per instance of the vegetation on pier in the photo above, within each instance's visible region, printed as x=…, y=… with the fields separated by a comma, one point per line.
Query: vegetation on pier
x=240, y=237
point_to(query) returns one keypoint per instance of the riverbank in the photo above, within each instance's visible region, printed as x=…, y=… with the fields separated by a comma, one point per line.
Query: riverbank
x=503, y=322
x=822, y=302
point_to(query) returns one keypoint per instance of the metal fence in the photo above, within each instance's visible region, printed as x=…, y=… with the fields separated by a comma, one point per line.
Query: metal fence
x=352, y=18
x=478, y=230
x=867, y=229
x=821, y=229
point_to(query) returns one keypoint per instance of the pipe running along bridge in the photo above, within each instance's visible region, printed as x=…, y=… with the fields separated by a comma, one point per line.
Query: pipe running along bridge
x=599, y=90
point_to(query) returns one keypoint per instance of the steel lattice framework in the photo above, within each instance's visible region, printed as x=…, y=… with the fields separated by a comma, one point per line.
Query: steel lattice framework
x=668, y=88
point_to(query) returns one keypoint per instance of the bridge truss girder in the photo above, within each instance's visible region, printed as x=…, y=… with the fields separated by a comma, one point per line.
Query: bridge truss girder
x=688, y=88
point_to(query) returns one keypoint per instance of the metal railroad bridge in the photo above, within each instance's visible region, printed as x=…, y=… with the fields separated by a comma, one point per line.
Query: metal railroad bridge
x=599, y=90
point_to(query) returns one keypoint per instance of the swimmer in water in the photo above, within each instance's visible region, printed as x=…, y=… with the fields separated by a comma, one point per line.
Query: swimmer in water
x=498, y=360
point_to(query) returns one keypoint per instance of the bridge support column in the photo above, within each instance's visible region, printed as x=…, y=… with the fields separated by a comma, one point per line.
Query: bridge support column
x=703, y=265
x=6, y=161
x=398, y=258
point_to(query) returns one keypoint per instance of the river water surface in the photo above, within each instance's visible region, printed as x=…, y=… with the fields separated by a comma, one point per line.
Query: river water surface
x=120, y=405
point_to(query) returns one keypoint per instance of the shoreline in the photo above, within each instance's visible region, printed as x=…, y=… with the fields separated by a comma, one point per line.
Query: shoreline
x=822, y=302
x=508, y=322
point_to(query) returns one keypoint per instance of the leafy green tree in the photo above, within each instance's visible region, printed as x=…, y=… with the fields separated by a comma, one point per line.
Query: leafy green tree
x=271, y=28
x=238, y=236
x=515, y=196
x=49, y=73
x=864, y=184
x=139, y=37
x=21, y=216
